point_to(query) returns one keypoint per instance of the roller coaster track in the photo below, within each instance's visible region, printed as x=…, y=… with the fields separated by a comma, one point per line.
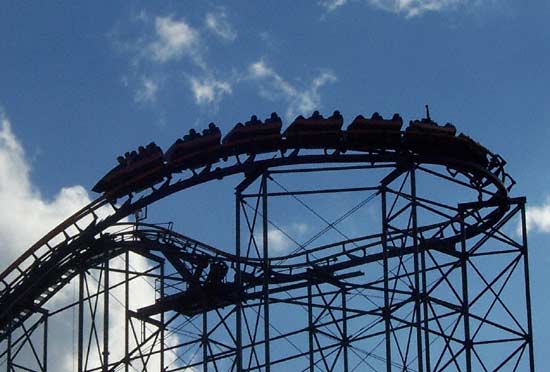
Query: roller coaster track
x=24, y=285
x=80, y=242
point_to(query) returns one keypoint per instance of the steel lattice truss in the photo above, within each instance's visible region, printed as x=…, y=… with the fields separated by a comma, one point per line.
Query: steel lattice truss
x=432, y=285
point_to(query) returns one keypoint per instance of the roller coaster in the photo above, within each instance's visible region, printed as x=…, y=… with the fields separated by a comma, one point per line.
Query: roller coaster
x=437, y=281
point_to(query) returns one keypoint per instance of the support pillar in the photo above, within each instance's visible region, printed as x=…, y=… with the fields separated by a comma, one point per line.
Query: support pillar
x=345, y=340
x=418, y=296
x=239, y=338
x=310, y=328
x=204, y=341
x=386, y=312
x=45, y=342
x=527, y=288
x=465, y=299
x=80, y=357
x=266, y=270
x=106, y=311
x=9, y=361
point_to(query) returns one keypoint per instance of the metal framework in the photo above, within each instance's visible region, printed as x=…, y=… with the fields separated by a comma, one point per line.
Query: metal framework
x=437, y=281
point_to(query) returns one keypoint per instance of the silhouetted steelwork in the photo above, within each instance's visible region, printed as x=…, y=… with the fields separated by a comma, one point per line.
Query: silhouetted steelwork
x=438, y=286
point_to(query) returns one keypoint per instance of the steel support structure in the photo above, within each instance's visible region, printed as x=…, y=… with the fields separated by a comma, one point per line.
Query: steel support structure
x=406, y=297
x=27, y=350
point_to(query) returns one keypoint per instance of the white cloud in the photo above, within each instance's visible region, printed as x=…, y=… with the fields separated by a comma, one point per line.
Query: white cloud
x=412, y=8
x=300, y=101
x=25, y=215
x=278, y=243
x=172, y=39
x=538, y=218
x=217, y=22
x=331, y=5
x=147, y=91
x=209, y=90
x=175, y=38
x=300, y=228
x=408, y=8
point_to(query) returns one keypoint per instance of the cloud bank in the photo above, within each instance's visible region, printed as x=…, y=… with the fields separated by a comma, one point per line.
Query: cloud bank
x=26, y=215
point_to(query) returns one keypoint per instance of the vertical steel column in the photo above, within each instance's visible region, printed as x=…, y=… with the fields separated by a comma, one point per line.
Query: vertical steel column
x=417, y=294
x=80, y=361
x=239, y=351
x=310, y=326
x=345, y=330
x=45, y=342
x=266, y=273
x=465, y=300
x=127, y=311
x=426, y=311
x=204, y=341
x=527, y=289
x=106, y=311
x=8, y=363
x=386, y=311
x=162, y=335
x=426, y=317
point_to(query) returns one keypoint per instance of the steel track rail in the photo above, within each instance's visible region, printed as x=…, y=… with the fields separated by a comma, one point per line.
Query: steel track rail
x=33, y=278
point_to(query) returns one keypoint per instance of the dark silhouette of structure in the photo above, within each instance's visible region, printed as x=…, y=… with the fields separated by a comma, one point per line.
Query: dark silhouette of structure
x=439, y=286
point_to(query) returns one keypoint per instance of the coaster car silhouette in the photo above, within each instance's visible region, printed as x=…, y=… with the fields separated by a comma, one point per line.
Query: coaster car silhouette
x=195, y=150
x=315, y=132
x=135, y=171
x=138, y=170
x=374, y=133
x=253, y=137
x=426, y=137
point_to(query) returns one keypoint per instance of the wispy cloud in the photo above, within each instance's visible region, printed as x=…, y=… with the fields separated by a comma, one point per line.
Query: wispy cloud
x=407, y=8
x=413, y=8
x=164, y=45
x=147, y=91
x=174, y=39
x=218, y=23
x=300, y=100
x=209, y=91
x=331, y=5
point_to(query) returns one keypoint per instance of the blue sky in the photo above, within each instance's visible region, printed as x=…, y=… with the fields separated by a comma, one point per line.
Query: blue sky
x=81, y=83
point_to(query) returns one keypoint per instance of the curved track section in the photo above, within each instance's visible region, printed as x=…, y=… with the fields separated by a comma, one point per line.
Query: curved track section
x=20, y=292
x=81, y=240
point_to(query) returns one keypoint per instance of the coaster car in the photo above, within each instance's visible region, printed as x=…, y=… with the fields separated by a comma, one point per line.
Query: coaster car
x=467, y=149
x=136, y=171
x=195, y=150
x=315, y=132
x=374, y=133
x=426, y=137
x=253, y=137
